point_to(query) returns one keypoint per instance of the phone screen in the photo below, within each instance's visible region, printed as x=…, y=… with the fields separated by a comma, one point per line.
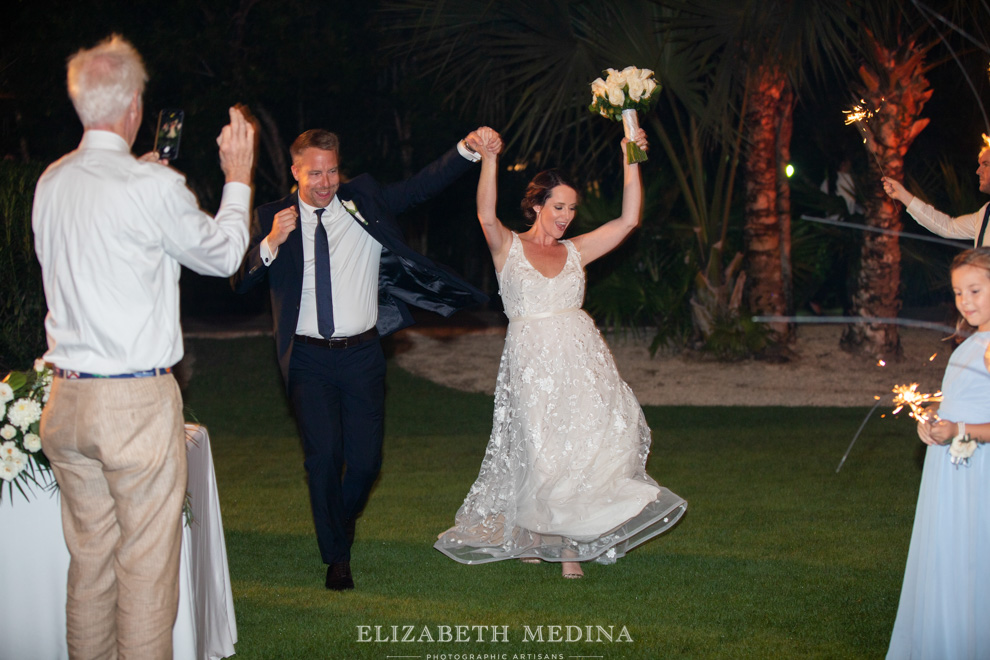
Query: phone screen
x=168, y=134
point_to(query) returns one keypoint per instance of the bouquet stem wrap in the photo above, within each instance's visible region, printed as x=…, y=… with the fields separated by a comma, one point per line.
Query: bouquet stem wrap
x=630, y=124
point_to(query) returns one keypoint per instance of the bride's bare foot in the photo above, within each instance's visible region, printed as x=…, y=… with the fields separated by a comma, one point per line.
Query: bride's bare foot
x=572, y=570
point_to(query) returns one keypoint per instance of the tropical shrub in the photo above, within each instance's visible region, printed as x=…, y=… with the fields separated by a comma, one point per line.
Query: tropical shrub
x=22, y=305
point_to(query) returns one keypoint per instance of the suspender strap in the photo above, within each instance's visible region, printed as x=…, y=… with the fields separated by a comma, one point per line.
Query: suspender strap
x=983, y=227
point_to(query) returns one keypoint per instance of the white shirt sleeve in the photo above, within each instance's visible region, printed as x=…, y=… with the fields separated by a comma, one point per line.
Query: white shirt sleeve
x=463, y=150
x=209, y=246
x=963, y=226
x=266, y=253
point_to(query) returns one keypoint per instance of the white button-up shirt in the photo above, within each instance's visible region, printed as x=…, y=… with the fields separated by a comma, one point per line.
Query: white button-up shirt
x=355, y=259
x=963, y=226
x=111, y=233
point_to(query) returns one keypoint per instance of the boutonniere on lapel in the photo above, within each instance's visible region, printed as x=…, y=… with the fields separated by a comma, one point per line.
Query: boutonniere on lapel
x=351, y=208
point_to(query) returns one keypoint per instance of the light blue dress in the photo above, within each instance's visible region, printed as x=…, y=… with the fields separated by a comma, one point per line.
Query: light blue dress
x=944, y=613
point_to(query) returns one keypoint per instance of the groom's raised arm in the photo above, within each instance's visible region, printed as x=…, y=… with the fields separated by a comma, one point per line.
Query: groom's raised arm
x=435, y=177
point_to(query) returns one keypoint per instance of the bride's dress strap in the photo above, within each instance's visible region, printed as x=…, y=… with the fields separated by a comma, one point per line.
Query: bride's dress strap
x=543, y=315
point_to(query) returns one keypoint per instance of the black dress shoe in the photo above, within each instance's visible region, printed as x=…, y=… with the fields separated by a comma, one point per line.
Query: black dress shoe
x=339, y=576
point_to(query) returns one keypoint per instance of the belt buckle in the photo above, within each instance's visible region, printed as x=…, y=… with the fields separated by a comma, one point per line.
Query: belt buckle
x=338, y=342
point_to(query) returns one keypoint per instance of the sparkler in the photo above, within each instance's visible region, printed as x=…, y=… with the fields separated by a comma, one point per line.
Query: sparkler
x=908, y=396
x=860, y=114
x=858, y=431
x=905, y=395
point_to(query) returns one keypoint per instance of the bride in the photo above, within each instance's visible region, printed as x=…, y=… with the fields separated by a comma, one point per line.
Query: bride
x=564, y=475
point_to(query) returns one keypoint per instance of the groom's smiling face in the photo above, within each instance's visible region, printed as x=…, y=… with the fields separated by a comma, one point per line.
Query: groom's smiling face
x=318, y=176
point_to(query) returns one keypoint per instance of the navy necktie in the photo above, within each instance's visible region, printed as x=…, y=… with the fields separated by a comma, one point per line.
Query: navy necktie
x=324, y=292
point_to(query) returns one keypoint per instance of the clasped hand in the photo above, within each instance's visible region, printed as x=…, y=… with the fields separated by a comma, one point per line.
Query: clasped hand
x=486, y=141
x=937, y=431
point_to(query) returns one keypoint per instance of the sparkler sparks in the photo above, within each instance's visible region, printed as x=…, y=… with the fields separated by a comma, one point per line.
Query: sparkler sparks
x=860, y=114
x=908, y=396
x=904, y=396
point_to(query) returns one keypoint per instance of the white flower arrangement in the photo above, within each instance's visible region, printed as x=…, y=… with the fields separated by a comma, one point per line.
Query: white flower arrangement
x=620, y=95
x=22, y=462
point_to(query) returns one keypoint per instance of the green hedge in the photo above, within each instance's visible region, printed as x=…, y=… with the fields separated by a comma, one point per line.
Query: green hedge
x=22, y=304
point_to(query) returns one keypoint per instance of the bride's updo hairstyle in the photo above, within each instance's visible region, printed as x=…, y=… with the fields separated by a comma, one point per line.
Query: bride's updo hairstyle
x=540, y=189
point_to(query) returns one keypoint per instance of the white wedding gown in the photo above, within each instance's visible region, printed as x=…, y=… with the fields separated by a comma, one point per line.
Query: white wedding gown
x=564, y=475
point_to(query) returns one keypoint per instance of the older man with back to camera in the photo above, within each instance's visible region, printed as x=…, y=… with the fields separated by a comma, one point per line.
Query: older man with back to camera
x=111, y=232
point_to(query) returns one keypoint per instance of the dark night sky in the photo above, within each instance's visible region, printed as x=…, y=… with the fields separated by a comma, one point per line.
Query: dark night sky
x=306, y=64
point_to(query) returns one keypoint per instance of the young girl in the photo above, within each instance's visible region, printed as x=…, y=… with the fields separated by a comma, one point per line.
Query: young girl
x=943, y=611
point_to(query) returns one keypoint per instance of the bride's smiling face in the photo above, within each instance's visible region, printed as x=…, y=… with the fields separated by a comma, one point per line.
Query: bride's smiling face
x=557, y=213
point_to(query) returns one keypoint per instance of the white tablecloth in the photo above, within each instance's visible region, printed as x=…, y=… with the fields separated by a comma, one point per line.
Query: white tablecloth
x=34, y=563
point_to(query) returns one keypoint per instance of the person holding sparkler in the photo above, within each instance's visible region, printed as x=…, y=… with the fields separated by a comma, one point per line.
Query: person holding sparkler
x=563, y=478
x=971, y=225
x=946, y=592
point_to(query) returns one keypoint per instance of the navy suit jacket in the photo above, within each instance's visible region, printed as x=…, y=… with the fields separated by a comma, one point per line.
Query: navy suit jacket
x=405, y=277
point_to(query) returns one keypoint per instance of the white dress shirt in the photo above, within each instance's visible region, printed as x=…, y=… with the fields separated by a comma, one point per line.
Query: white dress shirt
x=355, y=258
x=111, y=233
x=963, y=226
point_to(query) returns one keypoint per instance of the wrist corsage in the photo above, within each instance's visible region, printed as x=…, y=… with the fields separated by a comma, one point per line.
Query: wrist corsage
x=962, y=447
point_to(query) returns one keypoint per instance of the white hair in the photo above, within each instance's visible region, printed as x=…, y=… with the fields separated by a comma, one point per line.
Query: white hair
x=102, y=80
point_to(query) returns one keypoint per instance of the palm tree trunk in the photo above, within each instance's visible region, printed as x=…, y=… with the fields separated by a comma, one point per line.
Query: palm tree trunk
x=898, y=94
x=784, y=131
x=762, y=230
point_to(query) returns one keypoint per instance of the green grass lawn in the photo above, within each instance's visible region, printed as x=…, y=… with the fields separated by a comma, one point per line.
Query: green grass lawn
x=777, y=556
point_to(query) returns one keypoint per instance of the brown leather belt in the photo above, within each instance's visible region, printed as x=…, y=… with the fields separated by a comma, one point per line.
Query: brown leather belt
x=339, y=342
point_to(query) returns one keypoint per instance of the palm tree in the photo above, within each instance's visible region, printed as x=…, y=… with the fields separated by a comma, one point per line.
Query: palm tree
x=767, y=49
x=724, y=61
x=895, y=86
x=527, y=66
x=893, y=82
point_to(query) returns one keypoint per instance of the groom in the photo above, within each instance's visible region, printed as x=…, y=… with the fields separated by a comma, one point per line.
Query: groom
x=341, y=276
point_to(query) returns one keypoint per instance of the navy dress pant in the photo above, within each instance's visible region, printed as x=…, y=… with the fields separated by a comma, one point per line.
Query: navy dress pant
x=338, y=397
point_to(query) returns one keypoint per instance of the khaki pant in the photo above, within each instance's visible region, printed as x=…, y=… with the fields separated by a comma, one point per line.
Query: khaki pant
x=117, y=447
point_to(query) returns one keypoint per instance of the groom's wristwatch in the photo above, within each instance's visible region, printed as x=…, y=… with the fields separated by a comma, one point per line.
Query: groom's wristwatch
x=465, y=150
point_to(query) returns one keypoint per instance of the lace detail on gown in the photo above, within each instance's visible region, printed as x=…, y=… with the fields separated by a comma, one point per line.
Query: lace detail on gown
x=564, y=475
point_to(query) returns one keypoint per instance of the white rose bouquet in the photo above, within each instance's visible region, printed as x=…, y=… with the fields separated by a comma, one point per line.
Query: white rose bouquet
x=23, y=394
x=620, y=96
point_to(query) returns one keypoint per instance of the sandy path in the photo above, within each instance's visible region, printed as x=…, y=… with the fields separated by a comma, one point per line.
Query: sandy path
x=821, y=375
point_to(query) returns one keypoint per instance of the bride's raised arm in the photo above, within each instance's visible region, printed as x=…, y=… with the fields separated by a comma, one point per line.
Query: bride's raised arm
x=601, y=241
x=496, y=235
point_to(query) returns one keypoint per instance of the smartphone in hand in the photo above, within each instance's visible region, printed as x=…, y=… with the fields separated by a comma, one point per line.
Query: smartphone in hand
x=168, y=134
